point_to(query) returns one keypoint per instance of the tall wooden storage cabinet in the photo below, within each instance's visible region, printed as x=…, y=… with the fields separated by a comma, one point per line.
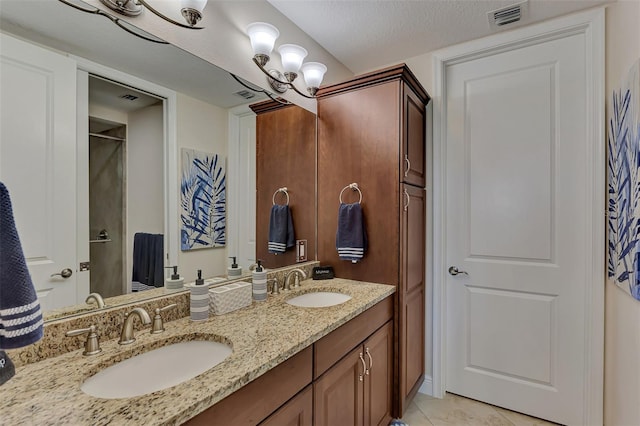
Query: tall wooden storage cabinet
x=371, y=131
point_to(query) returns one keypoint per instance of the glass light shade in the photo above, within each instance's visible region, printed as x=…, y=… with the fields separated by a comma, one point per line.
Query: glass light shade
x=292, y=56
x=198, y=5
x=313, y=73
x=263, y=36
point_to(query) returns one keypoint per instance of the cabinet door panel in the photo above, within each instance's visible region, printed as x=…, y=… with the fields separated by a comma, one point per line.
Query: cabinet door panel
x=297, y=412
x=411, y=293
x=414, y=342
x=339, y=393
x=378, y=383
x=413, y=168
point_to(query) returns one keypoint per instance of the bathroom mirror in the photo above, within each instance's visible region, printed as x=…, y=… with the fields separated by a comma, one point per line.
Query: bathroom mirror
x=197, y=83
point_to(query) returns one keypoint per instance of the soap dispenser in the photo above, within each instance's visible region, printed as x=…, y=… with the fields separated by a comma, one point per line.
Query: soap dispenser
x=176, y=281
x=199, y=299
x=259, y=281
x=234, y=270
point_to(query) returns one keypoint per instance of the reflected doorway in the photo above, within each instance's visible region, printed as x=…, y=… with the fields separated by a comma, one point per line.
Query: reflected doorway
x=126, y=181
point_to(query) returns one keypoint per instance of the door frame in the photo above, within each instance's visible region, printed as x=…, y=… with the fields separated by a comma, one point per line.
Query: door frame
x=591, y=24
x=170, y=149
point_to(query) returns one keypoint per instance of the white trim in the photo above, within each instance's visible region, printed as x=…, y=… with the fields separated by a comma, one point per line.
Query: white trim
x=233, y=170
x=591, y=23
x=427, y=386
x=82, y=185
x=171, y=234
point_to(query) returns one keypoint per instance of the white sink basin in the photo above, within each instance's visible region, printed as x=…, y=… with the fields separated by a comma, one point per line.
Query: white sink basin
x=156, y=370
x=319, y=299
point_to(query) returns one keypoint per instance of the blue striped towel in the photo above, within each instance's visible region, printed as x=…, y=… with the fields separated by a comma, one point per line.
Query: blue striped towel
x=281, y=234
x=351, y=238
x=20, y=315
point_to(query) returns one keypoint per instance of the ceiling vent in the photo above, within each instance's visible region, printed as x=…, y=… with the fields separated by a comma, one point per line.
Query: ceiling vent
x=129, y=97
x=245, y=94
x=508, y=15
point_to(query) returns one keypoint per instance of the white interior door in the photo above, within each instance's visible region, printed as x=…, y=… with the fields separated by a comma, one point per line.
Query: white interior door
x=38, y=162
x=517, y=207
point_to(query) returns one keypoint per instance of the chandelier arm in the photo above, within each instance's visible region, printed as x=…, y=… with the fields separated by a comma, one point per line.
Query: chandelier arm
x=286, y=83
x=260, y=90
x=166, y=18
x=299, y=92
x=114, y=20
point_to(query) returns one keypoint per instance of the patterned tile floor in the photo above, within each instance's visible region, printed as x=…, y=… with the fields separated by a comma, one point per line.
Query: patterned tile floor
x=456, y=410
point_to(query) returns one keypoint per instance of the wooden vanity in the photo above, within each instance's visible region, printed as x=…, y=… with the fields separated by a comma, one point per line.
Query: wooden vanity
x=343, y=378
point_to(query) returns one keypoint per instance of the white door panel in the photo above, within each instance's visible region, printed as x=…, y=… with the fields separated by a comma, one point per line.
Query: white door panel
x=247, y=185
x=37, y=162
x=516, y=222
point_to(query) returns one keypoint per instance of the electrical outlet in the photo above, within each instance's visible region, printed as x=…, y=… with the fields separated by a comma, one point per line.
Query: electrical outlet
x=301, y=250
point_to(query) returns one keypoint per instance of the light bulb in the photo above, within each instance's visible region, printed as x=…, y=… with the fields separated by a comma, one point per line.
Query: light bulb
x=292, y=56
x=198, y=5
x=263, y=37
x=313, y=73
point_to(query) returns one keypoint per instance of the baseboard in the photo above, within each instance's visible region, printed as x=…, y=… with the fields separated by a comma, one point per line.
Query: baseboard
x=427, y=386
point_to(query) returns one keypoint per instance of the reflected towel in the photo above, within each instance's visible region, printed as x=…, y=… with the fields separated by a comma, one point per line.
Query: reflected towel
x=148, y=266
x=281, y=234
x=20, y=314
x=351, y=238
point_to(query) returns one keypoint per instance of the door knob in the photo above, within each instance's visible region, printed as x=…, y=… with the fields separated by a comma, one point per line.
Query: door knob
x=65, y=273
x=453, y=270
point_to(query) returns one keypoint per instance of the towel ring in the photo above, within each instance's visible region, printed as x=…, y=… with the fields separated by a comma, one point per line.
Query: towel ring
x=284, y=189
x=353, y=186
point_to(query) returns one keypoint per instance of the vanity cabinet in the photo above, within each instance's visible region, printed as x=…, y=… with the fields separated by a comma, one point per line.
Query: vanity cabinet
x=357, y=390
x=288, y=394
x=371, y=131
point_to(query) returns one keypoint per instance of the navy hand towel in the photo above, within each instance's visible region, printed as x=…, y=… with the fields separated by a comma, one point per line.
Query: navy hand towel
x=281, y=234
x=20, y=314
x=351, y=238
x=148, y=259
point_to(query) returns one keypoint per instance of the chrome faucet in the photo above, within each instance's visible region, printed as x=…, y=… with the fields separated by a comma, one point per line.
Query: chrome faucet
x=298, y=274
x=97, y=298
x=126, y=336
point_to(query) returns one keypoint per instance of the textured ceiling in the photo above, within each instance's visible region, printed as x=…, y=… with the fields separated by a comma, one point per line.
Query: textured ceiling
x=365, y=35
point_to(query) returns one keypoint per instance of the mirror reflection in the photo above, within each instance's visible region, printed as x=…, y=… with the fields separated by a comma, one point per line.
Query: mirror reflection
x=130, y=108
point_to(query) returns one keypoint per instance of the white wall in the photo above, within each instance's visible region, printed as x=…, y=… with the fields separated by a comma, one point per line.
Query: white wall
x=622, y=313
x=203, y=127
x=144, y=177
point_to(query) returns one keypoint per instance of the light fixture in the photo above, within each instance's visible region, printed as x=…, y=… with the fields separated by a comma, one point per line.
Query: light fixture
x=263, y=37
x=191, y=10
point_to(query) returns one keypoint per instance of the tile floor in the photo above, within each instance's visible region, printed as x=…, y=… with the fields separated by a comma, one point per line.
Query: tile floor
x=456, y=410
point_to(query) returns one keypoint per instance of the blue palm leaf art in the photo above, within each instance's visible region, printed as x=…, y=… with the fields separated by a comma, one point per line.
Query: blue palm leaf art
x=623, y=187
x=203, y=200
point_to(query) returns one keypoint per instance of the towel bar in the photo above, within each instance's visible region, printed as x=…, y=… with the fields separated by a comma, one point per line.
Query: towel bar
x=353, y=186
x=283, y=189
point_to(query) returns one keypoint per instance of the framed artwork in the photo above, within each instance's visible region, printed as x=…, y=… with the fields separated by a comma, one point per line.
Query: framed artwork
x=203, y=200
x=623, y=164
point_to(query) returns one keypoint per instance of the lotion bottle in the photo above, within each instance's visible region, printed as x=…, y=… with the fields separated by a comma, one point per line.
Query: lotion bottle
x=234, y=270
x=259, y=283
x=176, y=281
x=199, y=299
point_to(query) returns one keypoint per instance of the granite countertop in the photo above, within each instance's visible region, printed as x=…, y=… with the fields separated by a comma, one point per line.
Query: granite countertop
x=262, y=335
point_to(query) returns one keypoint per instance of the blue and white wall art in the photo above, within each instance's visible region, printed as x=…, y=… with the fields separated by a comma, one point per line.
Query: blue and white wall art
x=203, y=200
x=624, y=185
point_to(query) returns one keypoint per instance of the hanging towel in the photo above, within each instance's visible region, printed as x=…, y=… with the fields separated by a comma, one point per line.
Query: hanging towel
x=148, y=264
x=7, y=369
x=20, y=314
x=281, y=235
x=351, y=238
